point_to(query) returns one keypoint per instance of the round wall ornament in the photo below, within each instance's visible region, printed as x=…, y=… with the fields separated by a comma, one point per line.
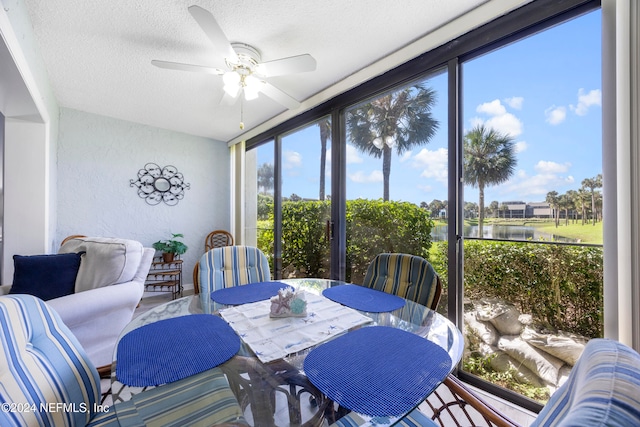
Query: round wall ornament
x=156, y=184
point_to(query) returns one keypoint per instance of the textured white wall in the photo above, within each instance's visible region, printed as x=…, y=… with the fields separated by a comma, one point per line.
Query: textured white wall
x=97, y=156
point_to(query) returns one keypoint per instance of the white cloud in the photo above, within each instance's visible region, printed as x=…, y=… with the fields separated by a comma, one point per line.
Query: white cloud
x=545, y=167
x=361, y=177
x=506, y=123
x=586, y=100
x=493, y=108
x=549, y=175
x=292, y=160
x=433, y=163
x=353, y=155
x=521, y=146
x=500, y=119
x=515, y=102
x=555, y=115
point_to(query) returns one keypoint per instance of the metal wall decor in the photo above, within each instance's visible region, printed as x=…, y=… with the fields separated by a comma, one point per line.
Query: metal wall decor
x=156, y=184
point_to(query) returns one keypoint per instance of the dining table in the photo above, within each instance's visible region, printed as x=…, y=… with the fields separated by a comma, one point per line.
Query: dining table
x=353, y=349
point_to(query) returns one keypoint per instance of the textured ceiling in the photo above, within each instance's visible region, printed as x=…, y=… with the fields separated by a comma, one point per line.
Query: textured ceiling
x=98, y=52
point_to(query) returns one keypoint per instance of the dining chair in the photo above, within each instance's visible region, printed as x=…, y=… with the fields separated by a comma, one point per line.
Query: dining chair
x=218, y=239
x=603, y=389
x=47, y=370
x=232, y=266
x=215, y=239
x=408, y=276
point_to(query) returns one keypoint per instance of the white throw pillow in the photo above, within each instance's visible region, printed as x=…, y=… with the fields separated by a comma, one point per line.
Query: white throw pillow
x=107, y=261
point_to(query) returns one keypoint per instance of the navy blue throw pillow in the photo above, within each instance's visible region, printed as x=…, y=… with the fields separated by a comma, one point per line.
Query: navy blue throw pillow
x=45, y=276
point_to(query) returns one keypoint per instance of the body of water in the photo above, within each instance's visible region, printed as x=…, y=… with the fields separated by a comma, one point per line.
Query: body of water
x=508, y=232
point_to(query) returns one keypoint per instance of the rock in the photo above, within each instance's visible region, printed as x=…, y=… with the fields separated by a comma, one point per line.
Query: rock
x=503, y=316
x=544, y=365
x=483, y=330
x=502, y=362
x=565, y=347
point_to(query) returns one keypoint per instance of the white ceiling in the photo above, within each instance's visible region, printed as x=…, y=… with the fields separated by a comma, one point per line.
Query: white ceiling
x=98, y=52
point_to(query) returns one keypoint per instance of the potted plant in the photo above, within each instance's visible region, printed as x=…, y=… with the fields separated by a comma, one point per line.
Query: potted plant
x=170, y=247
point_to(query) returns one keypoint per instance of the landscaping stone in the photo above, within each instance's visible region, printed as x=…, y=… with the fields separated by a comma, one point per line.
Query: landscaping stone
x=496, y=330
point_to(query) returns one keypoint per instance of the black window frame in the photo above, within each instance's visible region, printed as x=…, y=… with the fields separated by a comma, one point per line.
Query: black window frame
x=534, y=17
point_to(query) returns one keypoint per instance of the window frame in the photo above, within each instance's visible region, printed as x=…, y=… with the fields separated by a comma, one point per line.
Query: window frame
x=523, y=22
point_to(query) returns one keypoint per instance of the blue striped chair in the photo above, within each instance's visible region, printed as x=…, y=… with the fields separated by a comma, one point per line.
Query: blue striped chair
x=603, y=389
x=408, y=276
x=230, y=266
x=48, y=380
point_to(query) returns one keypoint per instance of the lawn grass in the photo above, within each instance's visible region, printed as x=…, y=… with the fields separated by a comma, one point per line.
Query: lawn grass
x=587, y=233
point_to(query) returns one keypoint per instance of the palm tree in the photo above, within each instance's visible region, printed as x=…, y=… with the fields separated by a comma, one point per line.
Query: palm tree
x=489, y=159
x=565, y=202
x=399, y=120
x=592, y=184
x=553, y=200
x=325, y=135
x=581, y=199
x=265, y=177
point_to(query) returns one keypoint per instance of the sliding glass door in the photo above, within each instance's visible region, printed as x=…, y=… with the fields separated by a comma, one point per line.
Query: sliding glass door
x=483, y=156
x=306, y=201
x=533, y=256
x=396, y=173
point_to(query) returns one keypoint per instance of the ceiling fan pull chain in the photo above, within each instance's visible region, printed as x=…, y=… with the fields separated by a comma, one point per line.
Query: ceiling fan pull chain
x=241, y=112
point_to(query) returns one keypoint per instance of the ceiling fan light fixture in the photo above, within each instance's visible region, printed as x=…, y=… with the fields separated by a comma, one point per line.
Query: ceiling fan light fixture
x=250, y=87
x=231, y=78
x=232, y=90
x=250, y=93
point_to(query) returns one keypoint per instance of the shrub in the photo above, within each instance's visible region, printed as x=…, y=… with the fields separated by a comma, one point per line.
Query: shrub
x=376, y=226
x=373, y=226
x=559, y=285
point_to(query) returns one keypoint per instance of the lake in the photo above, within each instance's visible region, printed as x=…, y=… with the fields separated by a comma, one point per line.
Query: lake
x=508, y=232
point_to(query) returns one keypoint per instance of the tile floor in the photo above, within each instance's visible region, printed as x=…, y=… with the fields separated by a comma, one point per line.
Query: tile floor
x=519, y=415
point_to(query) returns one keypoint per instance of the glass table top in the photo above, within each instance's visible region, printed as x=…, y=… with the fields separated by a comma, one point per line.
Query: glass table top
x=299, y=401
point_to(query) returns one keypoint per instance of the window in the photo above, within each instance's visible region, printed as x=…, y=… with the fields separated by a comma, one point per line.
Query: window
x=532, y=78
x=396, y=172
x=533, y=172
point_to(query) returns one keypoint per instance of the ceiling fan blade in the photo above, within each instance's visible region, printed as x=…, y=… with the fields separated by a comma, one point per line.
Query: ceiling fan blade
x=210, y=26
x=290, y=65
x=186, y=67
x=278, y=95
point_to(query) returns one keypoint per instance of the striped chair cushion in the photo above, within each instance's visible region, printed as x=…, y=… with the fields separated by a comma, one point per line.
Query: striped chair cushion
x=200, y=400
x=414, y=418
x=603, y=389
x=408, y=276
x=43, y=364
x=232, y=266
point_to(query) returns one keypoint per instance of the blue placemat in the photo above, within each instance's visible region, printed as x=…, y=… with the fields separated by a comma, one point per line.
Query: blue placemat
x=378, y=370
x=248, y=293
x=364, y=299
x=172, y=349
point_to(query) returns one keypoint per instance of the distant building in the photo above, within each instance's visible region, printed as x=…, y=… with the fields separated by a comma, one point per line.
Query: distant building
x=540, y=210
x=518, y=209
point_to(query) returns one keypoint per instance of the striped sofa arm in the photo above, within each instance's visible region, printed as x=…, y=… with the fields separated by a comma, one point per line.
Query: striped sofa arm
x=602, y=389
x=45, y=366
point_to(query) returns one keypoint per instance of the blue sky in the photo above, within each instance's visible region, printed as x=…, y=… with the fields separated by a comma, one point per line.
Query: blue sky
x=544, y=91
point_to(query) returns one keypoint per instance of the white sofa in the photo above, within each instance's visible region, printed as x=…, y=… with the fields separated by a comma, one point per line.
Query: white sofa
x=108, y=288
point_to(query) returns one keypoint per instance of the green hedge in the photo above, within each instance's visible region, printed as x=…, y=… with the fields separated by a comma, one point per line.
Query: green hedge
x=376, y=226
x=373, y=226
x=559, y=285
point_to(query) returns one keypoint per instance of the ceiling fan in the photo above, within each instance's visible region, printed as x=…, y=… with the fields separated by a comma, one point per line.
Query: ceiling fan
x=240, y=65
